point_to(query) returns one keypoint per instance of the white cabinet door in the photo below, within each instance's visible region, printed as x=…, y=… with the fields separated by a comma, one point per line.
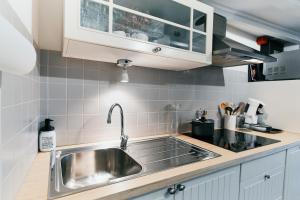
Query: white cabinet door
x=223, y=185
x=262, y=179
x=169, y=34
x=292, y=174
x=158, y=195
x=263, y=188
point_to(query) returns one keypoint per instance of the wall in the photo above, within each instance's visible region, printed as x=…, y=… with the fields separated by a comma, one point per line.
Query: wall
x=51, y=24
x=282, y=102
x=77, y=94
x=19, y=129
x=281, y=99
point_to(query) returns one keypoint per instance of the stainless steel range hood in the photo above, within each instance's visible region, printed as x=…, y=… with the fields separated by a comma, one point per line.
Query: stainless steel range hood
x=228, y=53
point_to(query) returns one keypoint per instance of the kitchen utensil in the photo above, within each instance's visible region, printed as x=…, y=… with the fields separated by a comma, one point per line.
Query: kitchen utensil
x=225, y=104
x=222, y=107
x=239, y=109
x=242, y=108
x=220, y=111
x=228, y=110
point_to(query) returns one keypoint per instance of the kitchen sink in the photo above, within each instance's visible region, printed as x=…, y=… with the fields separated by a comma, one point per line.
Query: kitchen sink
x=100, y=166
x=78, y=169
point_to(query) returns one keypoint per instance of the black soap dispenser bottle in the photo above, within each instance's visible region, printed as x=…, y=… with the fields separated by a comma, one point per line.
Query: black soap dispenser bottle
x=47, y=137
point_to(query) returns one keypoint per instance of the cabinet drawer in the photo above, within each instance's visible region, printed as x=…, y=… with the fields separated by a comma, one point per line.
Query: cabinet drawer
x=260, y=166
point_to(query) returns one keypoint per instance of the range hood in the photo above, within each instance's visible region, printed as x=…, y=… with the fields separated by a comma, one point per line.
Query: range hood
x=228, y=53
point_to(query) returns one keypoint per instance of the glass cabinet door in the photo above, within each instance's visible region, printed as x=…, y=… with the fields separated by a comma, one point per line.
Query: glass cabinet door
x=164, y=22
x=142, y=28
x=164, y=9
x=94, y=15
x=199, y=42
x=199, y=31
x=199, y=21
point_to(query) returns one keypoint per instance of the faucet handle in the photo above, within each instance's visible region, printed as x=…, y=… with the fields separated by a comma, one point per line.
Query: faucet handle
x=124, y=139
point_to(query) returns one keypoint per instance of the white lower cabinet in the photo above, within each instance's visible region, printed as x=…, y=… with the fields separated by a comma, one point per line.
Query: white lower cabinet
x=262, y=179
x=292, y=174
x=223, y=185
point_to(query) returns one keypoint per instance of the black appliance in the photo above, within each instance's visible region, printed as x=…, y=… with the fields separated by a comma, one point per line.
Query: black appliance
x=203, y=128
x=235, y=141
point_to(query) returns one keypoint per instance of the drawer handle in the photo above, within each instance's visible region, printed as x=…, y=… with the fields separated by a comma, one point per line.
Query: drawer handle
x=172, y=190
x=156, y=50
x=180, y=187
x=267, y=177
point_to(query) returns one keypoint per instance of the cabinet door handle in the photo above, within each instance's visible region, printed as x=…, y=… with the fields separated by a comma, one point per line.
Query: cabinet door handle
x=180, y=187
x=267, y=177
x=156, y=50
x=172, y=190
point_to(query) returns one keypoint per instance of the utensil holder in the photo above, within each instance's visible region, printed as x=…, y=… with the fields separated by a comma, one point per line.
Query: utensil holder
x=230, y=122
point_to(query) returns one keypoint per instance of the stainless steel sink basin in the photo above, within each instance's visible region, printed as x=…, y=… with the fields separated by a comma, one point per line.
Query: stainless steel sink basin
x=101, y=166
x=78, y=169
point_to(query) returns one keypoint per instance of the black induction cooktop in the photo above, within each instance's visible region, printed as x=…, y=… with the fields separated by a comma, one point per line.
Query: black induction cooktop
x=235, y=141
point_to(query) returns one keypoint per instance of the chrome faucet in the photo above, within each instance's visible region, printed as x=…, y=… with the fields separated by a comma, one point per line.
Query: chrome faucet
x=124, y=138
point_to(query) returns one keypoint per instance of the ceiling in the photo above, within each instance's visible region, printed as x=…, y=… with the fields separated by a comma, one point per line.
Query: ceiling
x=278, y=17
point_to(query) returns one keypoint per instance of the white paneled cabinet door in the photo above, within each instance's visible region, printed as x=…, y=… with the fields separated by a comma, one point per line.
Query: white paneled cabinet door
x=263, y=179
x=292, y=174
x=263, y=187
x=157, y=195
x=223, y=185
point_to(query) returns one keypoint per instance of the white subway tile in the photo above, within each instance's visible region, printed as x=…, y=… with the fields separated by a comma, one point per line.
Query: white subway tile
x=75, y=91
x=57, y=91
x=75, y=107
x=91, y=107
x=57, y=107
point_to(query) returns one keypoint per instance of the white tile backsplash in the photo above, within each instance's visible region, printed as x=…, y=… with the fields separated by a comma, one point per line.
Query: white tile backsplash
x=75, y=123
x=75, y=107
x=91, y=92
x=57, y=107
x=57, y=91
x=90, y=107
x=154, y=101
x=75, y=91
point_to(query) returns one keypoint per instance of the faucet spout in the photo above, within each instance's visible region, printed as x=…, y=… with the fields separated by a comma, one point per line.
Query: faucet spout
x=124, y=138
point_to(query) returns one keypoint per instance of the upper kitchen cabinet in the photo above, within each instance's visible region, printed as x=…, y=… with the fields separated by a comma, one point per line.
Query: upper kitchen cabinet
x=169, y=34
